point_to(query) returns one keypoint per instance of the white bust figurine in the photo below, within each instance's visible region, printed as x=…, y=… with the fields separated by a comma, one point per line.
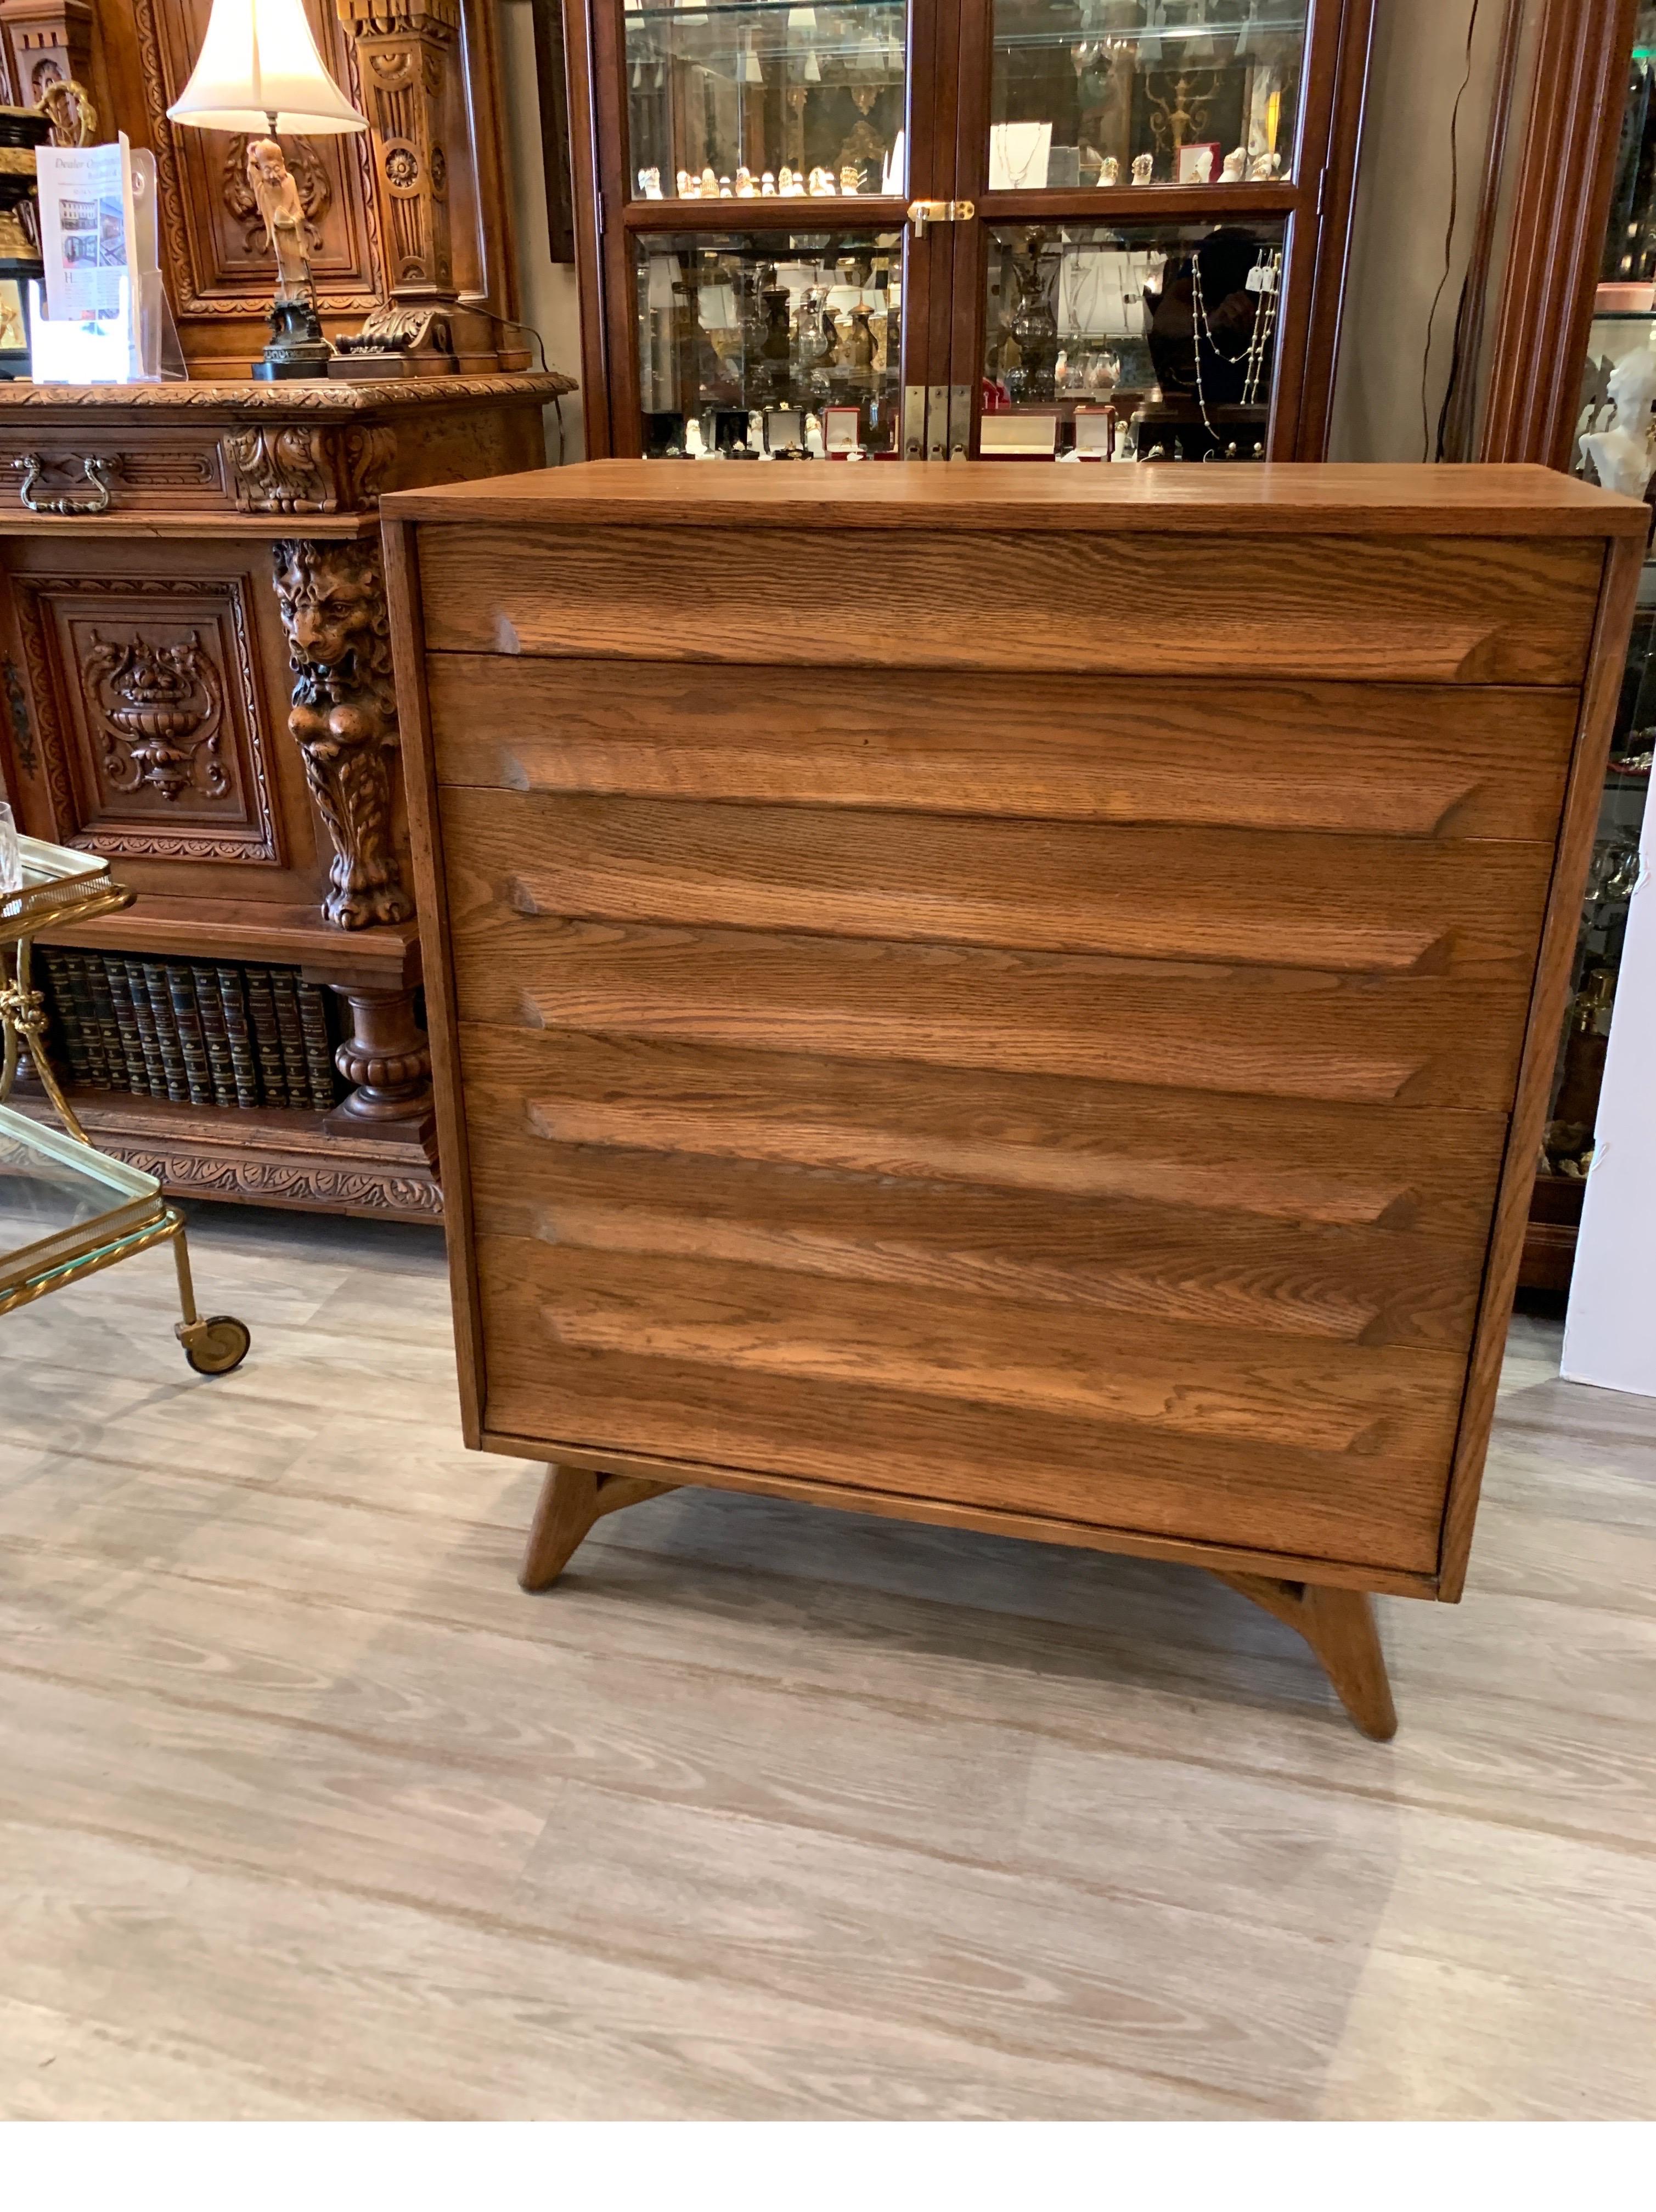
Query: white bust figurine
x=1235, y=166
x=1109, y=171
x=649, y=184
x=1622, y=456
x=1143, y=165
x=1264, y=167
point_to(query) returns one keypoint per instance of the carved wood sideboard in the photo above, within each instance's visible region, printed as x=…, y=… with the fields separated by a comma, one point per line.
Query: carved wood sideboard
x=196, y=677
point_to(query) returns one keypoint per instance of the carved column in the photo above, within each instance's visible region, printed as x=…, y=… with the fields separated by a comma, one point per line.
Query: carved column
x=331, y=595
x=385, y=1059
x=47, y=43
x=403, y=51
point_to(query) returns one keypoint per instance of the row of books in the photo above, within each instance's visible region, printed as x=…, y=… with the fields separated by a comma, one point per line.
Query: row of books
x=204, y=1034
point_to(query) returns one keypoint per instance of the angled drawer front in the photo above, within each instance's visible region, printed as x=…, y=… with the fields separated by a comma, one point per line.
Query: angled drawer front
x=1463, y=610
x=1405, y=760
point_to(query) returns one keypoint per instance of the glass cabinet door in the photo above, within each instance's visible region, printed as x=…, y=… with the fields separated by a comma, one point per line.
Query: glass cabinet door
x=1111, y=93
x=778, y=344
x=763, y=98
x=761, y=276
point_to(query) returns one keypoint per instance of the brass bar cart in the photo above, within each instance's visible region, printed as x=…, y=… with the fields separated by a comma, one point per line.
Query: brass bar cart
x=66, y=1209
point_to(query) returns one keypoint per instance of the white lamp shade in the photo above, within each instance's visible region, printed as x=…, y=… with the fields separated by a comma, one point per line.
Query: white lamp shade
x=257, y=60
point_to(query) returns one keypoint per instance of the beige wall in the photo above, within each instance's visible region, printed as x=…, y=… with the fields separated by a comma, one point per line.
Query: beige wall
x=1403, y=201
x=548, y=296
x=1419, y=59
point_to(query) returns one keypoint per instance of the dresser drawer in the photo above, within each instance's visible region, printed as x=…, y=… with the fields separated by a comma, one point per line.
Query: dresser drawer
x=1467, y=610
x=1413, y=760
x=1233, y=960
x=1330, y=1451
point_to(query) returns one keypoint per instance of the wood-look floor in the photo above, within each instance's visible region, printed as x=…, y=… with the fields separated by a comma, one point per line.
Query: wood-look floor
x=307, y=1811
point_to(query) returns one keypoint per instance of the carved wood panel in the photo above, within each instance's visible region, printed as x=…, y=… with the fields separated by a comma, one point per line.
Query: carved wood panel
x=217, y=260
x=146, y=718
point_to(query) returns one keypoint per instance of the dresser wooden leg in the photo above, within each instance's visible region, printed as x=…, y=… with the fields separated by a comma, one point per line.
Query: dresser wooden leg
x=1339, y=1626
x=570, y=1500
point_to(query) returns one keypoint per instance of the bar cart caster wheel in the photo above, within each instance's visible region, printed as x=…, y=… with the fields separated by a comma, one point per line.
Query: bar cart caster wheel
x=214, y=1346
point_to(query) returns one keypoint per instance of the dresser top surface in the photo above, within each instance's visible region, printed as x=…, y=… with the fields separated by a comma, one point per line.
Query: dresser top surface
x=1270, y=499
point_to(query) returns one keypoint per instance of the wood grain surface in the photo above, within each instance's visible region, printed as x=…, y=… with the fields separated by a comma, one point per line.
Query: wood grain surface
x=762, y=1814
x=1281, y=499
x=1348, y=905
x=1409, y=760
x=1294, y=1033
x=723, y=1384
x=1207, y=1264
x=1504, y=610
x=1429, y=1170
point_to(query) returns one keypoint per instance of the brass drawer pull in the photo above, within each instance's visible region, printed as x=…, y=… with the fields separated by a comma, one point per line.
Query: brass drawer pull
x=31, y=468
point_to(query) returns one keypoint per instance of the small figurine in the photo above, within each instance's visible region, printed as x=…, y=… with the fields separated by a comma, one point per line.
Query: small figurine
x=1142, y=166
x=813, y=436
x=745, y=187
x=788, y=185
x=1109, y=171
x=649, y=184
x=1236, y=166
x=822, y=186
x=767, y=187
x=688, y=188
x=850, y=180
x=1622, y=456
x=725, y=192
x=1264, y=168
x=709, y=183
x=695, y=444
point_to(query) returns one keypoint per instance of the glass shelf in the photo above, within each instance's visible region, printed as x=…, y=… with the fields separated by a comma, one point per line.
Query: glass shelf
x=721, y=98
x=1171, y=325
x=737, y=329
x=57, y=1195
x=1186, y=92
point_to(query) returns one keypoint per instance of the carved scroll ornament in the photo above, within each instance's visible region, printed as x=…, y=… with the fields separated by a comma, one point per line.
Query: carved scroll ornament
x=344, y=718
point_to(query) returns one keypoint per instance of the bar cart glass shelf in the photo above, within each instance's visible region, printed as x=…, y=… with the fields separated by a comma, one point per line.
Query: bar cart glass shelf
x=66, y=1209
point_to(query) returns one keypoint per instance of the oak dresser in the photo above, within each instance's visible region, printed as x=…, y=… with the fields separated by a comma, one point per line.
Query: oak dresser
x=1017, y=997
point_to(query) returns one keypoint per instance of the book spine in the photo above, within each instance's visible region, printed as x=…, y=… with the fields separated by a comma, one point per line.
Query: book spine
x=80, y=991
x=221, y=1077
x=193, y=1041
x=318, y=1048
x=292, y=1035
x=120, y=992
x=175, y=1083
x=267, y=1040
x=65, y=1018
x=155, y=1076
x=103, y=1013
x=243, y=1064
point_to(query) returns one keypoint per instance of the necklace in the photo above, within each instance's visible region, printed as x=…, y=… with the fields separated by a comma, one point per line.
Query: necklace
x=1253, y=354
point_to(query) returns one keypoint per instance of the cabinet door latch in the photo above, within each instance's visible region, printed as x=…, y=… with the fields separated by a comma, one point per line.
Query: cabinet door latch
x=921, y=212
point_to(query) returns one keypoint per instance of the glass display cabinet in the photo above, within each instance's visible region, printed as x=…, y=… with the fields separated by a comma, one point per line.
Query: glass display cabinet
x=1054, y=229
x=1611, y=442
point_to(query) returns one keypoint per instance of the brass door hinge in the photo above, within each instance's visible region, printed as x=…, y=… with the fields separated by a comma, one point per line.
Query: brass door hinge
x=921, y=212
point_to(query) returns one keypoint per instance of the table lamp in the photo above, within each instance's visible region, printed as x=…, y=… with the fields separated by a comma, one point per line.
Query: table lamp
x=260, y=71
